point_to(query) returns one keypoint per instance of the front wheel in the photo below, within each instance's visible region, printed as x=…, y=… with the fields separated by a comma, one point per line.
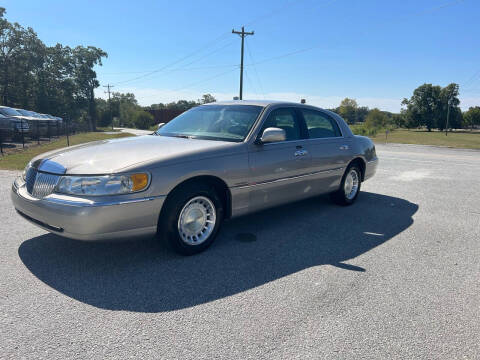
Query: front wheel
x=349, y=187
x=191, y=219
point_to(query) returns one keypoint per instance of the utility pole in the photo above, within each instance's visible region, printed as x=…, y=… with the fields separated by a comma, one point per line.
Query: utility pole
x=451, y=98
x=108, y=86
x=448, y=115
x=242, y=35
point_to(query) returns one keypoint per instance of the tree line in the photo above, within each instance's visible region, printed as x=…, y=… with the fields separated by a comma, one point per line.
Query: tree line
x=428, y=107
x=57, y=80
x=125, y=111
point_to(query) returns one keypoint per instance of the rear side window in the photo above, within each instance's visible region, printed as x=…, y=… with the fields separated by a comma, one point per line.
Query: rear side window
x=284, y=119
x=320, y=125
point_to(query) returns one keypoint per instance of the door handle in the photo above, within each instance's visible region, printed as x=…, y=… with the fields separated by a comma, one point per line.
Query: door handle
x=301, y=153
x=344, y=147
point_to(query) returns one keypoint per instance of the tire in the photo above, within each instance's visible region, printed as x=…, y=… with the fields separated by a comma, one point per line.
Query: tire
x=351, y=178
x=191, y=218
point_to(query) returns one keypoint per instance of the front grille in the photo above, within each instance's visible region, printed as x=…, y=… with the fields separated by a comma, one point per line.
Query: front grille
x=30, y=179
x=40, y=184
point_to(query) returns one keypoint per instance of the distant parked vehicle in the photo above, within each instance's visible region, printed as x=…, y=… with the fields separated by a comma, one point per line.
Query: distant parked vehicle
x=32, y=115
x=5, y=124
x=14, y=123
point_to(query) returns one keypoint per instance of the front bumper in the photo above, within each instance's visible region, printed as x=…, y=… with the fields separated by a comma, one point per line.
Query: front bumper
x=85, y=219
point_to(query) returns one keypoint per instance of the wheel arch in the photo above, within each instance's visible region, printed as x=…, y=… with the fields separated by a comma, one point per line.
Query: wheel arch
x=217, y=183
x=360, y=162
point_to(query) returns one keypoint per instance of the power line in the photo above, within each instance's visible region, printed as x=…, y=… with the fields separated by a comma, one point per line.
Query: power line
x=242, y=34
x=250, y=82
x=209, y=44
x=205, y=80
x=256, y=72
x=196, y=82
x=284, y=55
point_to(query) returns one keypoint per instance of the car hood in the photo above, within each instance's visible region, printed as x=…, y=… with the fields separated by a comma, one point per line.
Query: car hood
x=121, y=155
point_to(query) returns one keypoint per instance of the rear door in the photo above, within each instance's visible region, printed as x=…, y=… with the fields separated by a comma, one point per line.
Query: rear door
x=279, y=171
x=329, y=149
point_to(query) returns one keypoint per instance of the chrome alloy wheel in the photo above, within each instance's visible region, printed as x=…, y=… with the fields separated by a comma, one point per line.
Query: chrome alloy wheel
x=197, y=220
x=351, y=184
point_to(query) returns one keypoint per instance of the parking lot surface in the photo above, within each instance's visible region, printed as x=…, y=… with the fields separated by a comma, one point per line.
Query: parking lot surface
x=396, y=275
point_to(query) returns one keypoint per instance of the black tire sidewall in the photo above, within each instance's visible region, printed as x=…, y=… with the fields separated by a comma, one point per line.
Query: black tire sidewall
x=339, y=196
x=359, y=174
x=168, y=222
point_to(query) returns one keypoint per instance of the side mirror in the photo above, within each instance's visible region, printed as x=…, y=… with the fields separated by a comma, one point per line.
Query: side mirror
x=273, y=134
x=160, y=125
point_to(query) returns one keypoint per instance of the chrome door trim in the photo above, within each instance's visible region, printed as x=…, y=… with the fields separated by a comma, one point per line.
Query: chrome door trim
x=243, y=186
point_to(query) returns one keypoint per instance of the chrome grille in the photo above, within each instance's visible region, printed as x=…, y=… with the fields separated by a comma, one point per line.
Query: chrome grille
x=40, y=184
x=44, y=184
x=30, y=179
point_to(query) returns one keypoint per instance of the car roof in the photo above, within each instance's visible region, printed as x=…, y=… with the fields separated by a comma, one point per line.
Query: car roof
x=265, y=103
x=253, y=102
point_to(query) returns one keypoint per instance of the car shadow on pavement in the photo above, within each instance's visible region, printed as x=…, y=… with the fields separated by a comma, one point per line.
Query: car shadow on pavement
x=144, y=276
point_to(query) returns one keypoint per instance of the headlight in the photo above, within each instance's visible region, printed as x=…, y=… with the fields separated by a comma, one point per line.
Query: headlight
x=103, y=184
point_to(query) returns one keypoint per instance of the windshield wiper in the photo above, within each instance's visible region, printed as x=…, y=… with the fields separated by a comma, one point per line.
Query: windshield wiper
x=182, y=136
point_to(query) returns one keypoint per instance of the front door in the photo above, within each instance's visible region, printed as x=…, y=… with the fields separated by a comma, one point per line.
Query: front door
x=279, y=172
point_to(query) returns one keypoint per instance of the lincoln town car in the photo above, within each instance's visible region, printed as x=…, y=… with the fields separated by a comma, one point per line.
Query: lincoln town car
x=213, y=162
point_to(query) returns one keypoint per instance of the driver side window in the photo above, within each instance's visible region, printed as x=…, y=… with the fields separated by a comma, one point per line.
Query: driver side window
x=284, y=119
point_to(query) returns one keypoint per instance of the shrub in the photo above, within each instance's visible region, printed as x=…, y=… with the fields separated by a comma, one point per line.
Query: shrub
x=364, y=130
x=142, y=119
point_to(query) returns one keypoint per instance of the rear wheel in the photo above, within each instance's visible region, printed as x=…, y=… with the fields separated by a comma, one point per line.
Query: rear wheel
x=349, y=187
x=191, y=218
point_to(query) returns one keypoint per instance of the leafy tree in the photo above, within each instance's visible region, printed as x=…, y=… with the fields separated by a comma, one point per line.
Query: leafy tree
x=428, y=106
x=471, y=117
x=85, y=58
x=361, y=113
x=348, y=110
x=376, y=119
x=180, y=105
x=398, y=120
x=207, y=98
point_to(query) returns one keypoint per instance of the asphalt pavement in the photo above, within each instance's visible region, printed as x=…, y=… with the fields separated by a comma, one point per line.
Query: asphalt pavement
x=396, y=275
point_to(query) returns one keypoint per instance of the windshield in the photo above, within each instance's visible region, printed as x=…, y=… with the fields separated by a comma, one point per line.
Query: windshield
x=9, y=112
x=23, y=112
x=213, y=122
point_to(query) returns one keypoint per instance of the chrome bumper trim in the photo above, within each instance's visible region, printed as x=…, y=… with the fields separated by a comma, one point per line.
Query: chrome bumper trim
x=97, y=204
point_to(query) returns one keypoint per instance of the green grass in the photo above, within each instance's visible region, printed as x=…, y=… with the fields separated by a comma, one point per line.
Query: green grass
x=458, y=139
x=18, y=160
